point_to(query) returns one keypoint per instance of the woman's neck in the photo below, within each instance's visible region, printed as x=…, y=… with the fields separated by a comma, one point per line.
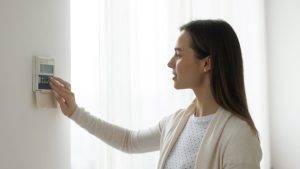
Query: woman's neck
x=205, y=103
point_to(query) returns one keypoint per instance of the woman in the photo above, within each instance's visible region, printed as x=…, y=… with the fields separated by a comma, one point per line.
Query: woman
x=215, y=132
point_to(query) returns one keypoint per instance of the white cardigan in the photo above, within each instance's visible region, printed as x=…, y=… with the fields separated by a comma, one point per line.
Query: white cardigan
x=229, y=142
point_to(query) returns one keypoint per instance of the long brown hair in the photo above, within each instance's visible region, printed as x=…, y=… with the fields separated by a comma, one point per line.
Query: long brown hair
x=217, y=39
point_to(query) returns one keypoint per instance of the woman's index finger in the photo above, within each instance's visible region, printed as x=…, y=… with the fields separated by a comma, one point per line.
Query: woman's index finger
x=65, y=84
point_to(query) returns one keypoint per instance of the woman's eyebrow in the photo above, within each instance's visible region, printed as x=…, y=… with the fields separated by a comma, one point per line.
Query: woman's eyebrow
x=178, y=49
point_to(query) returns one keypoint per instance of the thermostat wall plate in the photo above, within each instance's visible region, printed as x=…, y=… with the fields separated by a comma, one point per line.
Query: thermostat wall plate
x=43, y=69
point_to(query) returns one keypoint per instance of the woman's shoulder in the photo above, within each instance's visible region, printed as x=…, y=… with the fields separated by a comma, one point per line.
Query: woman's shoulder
x=240, y=142
x=236, y=128
x=235, y=122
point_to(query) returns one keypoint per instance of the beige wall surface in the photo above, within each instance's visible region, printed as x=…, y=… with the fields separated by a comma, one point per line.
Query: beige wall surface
x=32, y=138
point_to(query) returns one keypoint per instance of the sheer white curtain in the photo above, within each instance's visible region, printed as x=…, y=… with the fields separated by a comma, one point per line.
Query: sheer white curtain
x=120, y=50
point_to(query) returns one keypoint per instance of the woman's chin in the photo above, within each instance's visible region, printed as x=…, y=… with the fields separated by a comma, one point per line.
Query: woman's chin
x=177, y=86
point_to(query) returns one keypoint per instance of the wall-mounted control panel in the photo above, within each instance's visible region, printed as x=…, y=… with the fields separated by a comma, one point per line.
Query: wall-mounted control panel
x=44, y=68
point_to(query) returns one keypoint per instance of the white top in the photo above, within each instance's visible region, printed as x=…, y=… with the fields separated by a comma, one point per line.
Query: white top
x=184, y=153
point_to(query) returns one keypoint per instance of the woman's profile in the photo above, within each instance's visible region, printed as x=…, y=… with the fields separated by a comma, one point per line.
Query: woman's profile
x=215, y=131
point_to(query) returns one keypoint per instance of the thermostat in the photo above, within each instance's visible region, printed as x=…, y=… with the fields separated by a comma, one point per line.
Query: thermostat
x=43, y=69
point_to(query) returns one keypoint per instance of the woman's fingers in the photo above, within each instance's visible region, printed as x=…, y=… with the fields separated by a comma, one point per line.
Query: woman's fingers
x=60, y=100
x=64, y=95
x=60, y=89
x=63, y=105
x=65, y=84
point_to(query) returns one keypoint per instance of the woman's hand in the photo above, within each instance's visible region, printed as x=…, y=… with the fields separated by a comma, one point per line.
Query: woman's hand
x=64, y=95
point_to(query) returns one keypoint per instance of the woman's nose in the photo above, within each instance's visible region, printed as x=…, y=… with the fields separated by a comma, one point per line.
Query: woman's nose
x=171, y=63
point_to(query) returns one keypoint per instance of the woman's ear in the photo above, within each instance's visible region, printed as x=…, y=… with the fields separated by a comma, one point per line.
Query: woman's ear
x=207, y=64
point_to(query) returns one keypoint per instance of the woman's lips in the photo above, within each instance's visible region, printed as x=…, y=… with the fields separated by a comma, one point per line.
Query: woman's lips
x=174, y=77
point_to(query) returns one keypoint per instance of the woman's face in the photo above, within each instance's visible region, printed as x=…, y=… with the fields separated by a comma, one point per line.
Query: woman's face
x=187, y=69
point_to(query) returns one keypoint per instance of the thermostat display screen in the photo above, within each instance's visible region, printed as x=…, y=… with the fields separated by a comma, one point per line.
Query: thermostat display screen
x=48, y=69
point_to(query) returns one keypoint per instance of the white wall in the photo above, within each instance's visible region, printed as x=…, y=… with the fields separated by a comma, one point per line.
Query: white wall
x=32, y=138
x=284, y=81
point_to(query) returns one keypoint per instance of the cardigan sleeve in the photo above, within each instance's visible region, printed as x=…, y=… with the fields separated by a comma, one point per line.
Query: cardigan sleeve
x=243, y=150
x=128, y=141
